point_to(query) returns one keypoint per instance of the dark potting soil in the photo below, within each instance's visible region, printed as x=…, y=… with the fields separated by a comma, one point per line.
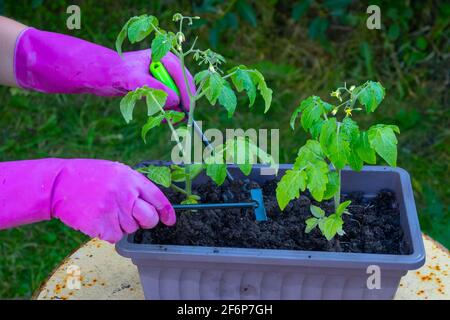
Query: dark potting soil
x=372, y=227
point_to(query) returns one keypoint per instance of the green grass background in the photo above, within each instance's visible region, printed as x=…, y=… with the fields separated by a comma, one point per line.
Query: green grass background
x=300, y=51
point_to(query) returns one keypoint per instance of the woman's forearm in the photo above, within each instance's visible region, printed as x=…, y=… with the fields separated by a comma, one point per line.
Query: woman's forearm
x=9, y=32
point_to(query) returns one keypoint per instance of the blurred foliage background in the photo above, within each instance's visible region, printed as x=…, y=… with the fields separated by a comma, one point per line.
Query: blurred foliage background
x=302, y=48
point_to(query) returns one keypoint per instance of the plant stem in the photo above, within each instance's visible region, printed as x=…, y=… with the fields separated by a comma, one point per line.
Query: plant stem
x=192, y=47
x=188, y=186
x=199, y=92
x=337, y=195
x=172, y=129
x=229, y=75
x=177, y=188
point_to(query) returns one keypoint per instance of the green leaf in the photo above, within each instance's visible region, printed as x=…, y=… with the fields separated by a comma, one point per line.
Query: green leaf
x=294, y=117
x=316, y=149
x=123, y=34
x=217, y=172
x=262, y=156
x=208, y=57
x=217, y=155
x=243, y=152
x=238, y=151
x=327, y=133
x=152, y=122
x=317, y=179
x=327, y=106
x=192, y=199
x=246, y=168
x=242, y=81
x=227, y=99
x=160, y=175
x=339, y=150
x=127, y=104
x=298, y=110
x=334, y=143
x=309, y=154
x=174, y=116
x=179, y=174
x=393, y=127
x=311, y=223
x=321, y=223
x=332, y=185
x=354, y=161
x=199, y=77
x=316, y=129
x=313, y=110
x=213, y=87
x=370, y=95
x=382, y=138
x=364, y=149
x=267, y=159
x=341, y=208
x=350, y=131
x=317, y=212
x=141, y=27
x=195, y=169
x=264, y=90
x=161, y=45
x=290, y=186
x=331, y=225
x=155, y=100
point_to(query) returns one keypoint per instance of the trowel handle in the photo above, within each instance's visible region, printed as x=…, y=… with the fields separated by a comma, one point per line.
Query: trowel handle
x=210, y=206
x=160, y=73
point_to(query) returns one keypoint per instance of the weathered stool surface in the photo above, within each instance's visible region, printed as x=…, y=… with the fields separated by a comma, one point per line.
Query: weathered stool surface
x=104, y=274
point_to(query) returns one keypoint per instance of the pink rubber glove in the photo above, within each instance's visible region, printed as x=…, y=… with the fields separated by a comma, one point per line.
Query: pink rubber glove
x=56, y=63
x=100, y=198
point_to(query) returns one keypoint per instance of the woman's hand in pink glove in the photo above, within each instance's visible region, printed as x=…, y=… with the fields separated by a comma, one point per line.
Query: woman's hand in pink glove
x=100, y=198
x=57, y=63
x=134, y=72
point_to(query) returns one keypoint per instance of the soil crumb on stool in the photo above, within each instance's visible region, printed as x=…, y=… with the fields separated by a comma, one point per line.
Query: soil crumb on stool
x=372, y=227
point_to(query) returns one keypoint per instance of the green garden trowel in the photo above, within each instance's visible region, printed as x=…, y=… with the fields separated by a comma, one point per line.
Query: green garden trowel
x=158, y=70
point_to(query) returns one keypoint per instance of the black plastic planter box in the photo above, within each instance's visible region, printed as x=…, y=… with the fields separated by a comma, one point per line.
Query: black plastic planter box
x=190, y=272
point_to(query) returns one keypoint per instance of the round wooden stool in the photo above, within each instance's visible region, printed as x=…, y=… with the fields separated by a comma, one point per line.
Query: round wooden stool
x=96, y=271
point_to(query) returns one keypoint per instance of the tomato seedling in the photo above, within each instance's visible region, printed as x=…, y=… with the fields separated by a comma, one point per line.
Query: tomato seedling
x=335, y=143
x=213, y=83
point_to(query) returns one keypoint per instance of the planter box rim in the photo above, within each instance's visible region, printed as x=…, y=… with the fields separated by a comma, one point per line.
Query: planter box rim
x=366, y=168
x=283, y=257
